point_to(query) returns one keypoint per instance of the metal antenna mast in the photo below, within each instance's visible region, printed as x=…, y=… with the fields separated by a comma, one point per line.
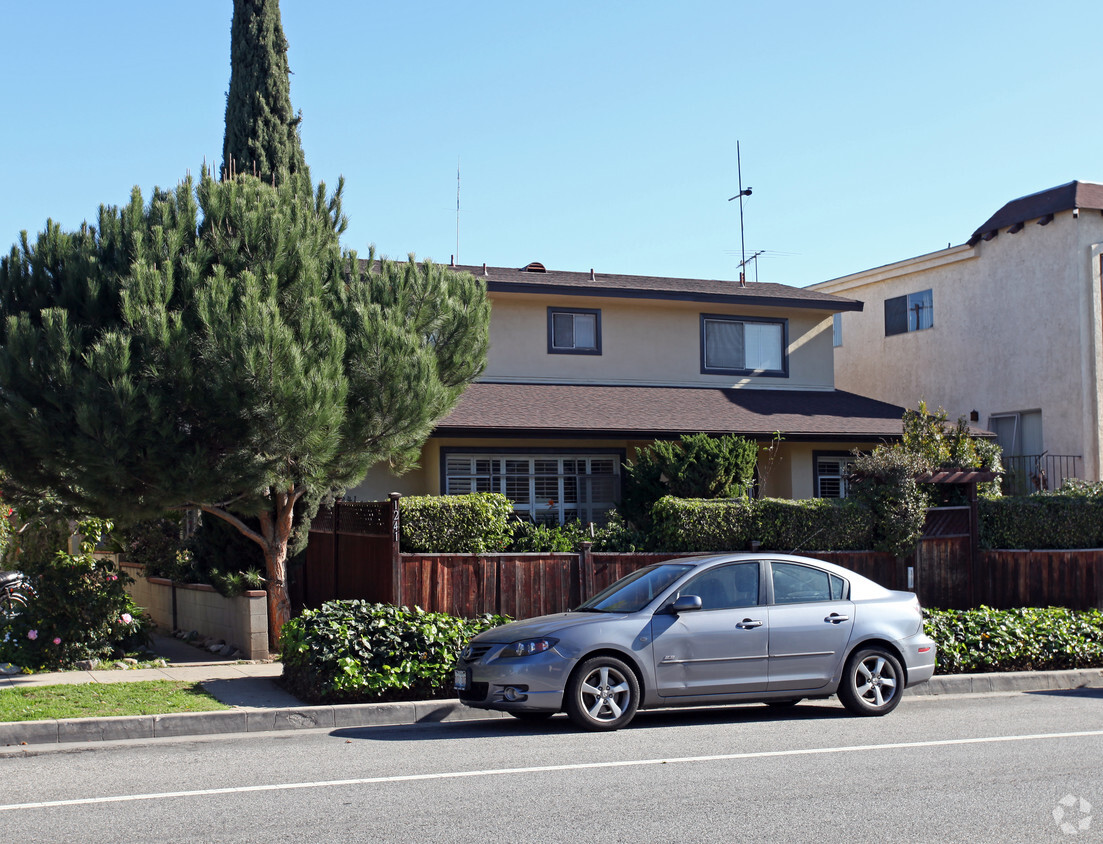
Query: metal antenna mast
x=457, y=209
x=742, y=243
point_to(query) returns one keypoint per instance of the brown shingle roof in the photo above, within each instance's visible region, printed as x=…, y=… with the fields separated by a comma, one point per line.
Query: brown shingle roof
x=1042, y=204
x=510, y=280
x=488, y=409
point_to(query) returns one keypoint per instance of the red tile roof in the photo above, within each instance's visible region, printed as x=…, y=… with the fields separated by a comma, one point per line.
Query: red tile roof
x=489, y=409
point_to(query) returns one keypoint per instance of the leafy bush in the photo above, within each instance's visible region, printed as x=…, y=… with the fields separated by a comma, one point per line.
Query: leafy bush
x=779, y=525
x=700, y=525
x=697, y=466
x=79, y=609
x=1042, y=520
x=984, y=639
x=885, y=484
x=617, y=535
x=354, y=651
x=814, y=524
x=478, y=523
x=563, y=538
x=217, y=554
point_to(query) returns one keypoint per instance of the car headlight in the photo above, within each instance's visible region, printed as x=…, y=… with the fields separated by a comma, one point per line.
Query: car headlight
x=528, y=647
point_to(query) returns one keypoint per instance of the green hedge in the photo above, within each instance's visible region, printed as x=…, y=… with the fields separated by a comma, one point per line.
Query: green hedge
x=730, y=525
x=1041, y=521
x=356, y=652
x=456, y=524
x=985, y=640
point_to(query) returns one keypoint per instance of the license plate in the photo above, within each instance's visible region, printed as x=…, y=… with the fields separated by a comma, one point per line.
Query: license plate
x=460, y=681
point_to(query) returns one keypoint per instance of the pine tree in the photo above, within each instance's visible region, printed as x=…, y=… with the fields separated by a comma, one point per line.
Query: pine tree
x=262, y=131
x=216, y=348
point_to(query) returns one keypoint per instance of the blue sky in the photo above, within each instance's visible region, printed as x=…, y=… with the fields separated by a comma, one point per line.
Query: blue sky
x=588, y=134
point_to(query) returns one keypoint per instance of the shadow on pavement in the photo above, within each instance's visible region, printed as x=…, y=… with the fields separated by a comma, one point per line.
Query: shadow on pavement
x=558, y=724
x=1085, y=692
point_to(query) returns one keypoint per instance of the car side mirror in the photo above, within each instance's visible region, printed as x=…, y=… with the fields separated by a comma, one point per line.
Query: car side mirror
x=686, y=603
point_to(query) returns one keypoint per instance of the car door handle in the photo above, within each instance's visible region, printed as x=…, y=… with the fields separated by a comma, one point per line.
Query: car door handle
x=748, y=623
x=835, y=618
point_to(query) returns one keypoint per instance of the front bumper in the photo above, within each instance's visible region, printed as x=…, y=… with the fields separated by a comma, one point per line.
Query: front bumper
x=537, y=682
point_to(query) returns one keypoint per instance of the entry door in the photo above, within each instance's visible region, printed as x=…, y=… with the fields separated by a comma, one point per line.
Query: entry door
x=811, y=621
x=721, y=648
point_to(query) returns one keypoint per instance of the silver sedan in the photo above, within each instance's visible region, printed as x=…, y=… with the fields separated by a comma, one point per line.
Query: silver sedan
x=734, y=628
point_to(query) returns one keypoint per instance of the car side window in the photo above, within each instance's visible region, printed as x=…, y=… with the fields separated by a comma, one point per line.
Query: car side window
x=725, y=587
x=795, y=584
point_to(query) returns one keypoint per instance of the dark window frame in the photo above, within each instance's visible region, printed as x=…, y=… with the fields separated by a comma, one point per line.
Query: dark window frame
x=556, y=350
x=761, y=373
x=898, y=313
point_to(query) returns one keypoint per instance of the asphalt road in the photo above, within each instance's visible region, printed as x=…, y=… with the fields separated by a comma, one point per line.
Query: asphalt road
x=964, y=768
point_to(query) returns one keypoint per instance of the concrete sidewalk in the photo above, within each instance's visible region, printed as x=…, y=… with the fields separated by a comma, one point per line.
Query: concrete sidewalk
x=260, y=705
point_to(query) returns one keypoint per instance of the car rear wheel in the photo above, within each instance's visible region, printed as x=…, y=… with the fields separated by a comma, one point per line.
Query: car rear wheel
x=873, y=682
x=531, y=716
x=602, y=694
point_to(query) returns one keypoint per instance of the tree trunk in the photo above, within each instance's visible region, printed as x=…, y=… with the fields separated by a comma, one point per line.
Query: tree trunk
x=274, y=536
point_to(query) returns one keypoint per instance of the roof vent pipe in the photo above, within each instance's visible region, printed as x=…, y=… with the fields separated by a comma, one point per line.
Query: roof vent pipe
x=452, y=261
x=484, y=269
x=592, y=276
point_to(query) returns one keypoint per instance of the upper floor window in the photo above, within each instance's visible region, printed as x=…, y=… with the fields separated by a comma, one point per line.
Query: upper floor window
x=837, y=330
x=574, y=331
x=743, y=346
x=913, y=312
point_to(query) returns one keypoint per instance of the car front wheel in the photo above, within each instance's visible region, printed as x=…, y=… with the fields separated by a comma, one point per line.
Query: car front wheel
x=873, y=682
x=602, y=694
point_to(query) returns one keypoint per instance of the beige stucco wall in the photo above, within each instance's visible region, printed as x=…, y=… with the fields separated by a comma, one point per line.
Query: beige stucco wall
x=1016, y=328
x=650, y=342
x=785, y=472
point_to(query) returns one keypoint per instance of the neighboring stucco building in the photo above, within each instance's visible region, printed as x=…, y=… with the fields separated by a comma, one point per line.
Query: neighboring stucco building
x=585, y=368
x=1005, y=329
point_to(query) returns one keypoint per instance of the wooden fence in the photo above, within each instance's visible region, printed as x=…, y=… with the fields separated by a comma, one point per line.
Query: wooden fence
x=353, y=553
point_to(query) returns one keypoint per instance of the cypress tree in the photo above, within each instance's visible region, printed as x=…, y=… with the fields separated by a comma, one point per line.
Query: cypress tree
x=262, y=131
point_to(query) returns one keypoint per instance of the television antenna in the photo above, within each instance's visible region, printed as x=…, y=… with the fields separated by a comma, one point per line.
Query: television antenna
x=742, y=243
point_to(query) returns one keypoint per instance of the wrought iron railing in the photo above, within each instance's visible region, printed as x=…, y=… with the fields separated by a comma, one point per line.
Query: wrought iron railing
x=1028, y=473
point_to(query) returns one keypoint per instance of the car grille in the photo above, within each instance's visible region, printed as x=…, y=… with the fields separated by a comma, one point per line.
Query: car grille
x=473, y=653
x=477, y=691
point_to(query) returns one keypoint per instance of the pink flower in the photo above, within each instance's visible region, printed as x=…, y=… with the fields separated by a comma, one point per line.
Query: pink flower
x=57, y=640
x=126, y=618
x=112, y=577
x=32, y=634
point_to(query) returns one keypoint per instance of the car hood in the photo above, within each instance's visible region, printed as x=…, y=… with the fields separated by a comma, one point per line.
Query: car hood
x=545, y=625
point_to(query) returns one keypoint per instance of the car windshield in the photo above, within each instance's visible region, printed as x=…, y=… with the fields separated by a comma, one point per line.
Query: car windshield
x=636, y=591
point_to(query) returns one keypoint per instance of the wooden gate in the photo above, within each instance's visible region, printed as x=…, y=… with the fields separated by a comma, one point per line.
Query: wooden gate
x=352, y=553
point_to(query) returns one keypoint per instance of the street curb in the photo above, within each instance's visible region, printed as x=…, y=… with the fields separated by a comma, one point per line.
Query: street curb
x=343, y=716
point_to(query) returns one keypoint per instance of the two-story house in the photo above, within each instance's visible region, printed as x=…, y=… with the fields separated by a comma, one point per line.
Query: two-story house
x=1006, y=329
x=584, y=368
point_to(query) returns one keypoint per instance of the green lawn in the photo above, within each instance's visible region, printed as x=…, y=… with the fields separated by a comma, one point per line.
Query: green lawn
x=90, y=700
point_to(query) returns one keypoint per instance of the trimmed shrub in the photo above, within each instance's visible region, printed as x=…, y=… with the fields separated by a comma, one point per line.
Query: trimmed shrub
x=984, y=639
x=697, y=466
x=478, y=523
x=814, y=524
x=357, y=652
x=819, y=524
x=618, y=535
x=1043, y=520
x=701, y=525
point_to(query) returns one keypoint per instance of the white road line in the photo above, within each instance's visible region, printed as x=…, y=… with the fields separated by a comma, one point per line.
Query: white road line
x=723, y=757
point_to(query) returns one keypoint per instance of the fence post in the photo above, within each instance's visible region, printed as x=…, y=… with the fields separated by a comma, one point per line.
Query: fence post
x=585, y=571
x=397, y=597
